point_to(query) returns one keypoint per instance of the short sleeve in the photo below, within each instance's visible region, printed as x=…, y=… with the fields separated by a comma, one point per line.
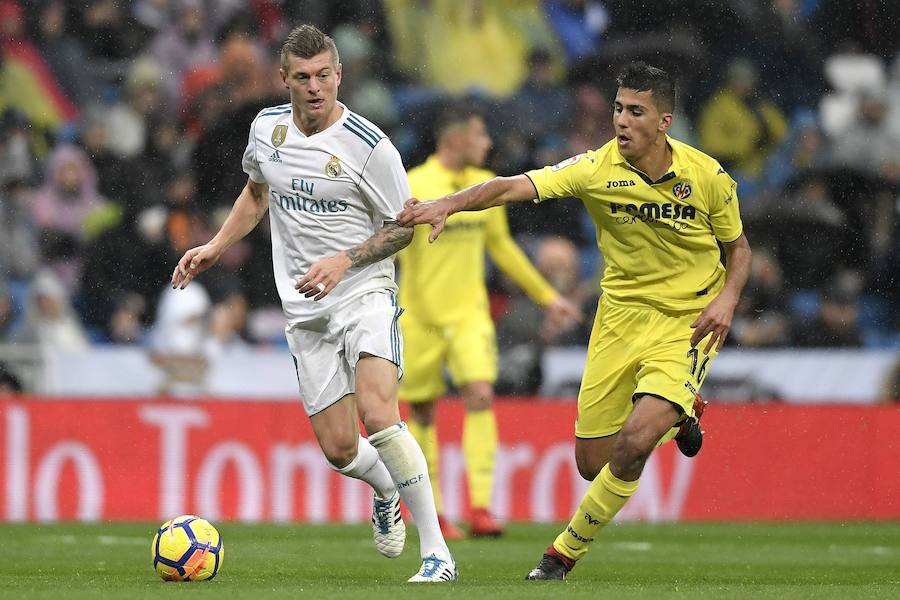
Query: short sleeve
x=384, y=182
x=568, y=178
x=724, y=213
x=249, y=162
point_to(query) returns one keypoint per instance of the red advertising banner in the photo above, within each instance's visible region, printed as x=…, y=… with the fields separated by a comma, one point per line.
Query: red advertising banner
x=259, y=461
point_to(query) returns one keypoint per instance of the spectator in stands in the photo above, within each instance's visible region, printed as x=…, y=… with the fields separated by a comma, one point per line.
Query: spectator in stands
x=111, y=35
x=455, y=45
x=760, y=318
x=836, y=322
x=115, y=176
x=228, y=322
x=740, y=125
x=182, y=45
x=360, y=83
x=525, y=330
x=805, y=149
x=580, y=25
x=178, y=340
x=62, y=209
x=9, y=383
x=126, y=324
x=869, y=144
x=20, y=254
x=542, y=105
x=18, y=160
x=65, y=52
x=808, y=212
x=131, y=258
x=50, y=320
x=127, y=121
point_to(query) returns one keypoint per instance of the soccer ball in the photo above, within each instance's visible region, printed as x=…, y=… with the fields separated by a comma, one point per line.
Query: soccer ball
x=187, y=548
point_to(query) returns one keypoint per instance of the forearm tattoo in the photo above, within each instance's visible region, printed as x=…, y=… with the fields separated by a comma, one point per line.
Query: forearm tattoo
x=390, y=239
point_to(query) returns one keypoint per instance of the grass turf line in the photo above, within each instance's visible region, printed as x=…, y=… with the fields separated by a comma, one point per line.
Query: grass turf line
x=628, y=561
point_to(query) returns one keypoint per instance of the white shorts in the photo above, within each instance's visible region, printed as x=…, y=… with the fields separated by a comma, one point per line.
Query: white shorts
x=326, y=350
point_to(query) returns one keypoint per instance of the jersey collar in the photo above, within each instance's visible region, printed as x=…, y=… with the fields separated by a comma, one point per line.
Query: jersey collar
x=338, y=123
x=677, y=163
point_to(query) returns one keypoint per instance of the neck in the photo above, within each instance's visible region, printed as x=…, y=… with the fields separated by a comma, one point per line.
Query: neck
x=657, y=161
x=450, y=160
x=312, y=125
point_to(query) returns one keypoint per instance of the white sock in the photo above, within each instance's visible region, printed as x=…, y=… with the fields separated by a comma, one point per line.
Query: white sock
x=403, y=457
x=367, y=466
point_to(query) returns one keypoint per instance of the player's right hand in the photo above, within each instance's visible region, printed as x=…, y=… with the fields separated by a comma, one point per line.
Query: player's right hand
x=195, y=261
x=416, y=212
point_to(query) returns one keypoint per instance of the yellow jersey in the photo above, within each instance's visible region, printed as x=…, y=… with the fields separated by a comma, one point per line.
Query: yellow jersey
x=443, y=283
x=658, y=239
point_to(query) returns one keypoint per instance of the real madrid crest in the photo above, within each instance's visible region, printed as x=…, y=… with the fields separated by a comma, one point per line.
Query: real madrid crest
x=682, y=190
x=333, y=167
x=279, y=134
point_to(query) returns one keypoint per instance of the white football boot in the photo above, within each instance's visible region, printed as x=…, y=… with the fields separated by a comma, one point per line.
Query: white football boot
x=388, y=527
x=435, y=570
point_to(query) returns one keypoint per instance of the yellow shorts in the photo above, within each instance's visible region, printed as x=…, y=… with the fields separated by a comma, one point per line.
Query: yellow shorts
x=637, y=351
x=468, y=350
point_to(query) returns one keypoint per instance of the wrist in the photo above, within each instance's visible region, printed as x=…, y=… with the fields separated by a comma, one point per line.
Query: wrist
x=344, y=258
x=730, y=296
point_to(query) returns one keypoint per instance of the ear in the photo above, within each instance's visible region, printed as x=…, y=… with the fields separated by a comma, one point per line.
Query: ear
x=665, y=121
x=337, y=73
x=283, y=74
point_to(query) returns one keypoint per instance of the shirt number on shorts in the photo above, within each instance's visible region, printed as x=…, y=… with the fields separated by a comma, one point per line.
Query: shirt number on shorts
x=694, y=354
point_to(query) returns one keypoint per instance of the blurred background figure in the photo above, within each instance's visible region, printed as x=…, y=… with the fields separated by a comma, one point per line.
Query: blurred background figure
x=116, y=118
x=179, y=339
x=740, y=125
x=50, y=320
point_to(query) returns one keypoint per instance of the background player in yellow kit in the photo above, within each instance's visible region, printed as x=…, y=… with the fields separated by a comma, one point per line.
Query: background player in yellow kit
x=447, y=322
x=661, y=209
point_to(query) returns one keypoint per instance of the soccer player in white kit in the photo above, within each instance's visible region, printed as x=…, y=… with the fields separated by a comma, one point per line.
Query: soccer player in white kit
x=333, y=184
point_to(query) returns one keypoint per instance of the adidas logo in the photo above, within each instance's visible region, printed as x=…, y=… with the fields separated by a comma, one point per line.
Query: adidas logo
x=275, y=157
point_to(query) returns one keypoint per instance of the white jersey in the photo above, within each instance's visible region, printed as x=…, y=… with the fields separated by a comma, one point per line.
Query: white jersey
x=328, y=192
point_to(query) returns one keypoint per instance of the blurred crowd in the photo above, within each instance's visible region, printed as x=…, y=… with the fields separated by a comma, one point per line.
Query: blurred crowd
x=123, y=123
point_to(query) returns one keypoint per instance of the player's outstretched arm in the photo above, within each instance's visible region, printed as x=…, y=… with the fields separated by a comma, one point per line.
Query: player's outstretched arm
x=716, y=317
x=492, y=192
x=248, y=210
x=324, y=275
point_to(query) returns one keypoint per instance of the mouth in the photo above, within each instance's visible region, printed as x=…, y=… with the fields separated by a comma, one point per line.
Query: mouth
x=623, y=139
x=317, y=102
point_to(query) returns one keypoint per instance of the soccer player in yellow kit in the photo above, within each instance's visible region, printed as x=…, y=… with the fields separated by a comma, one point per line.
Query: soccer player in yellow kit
x=447, y=321
x=661, y=209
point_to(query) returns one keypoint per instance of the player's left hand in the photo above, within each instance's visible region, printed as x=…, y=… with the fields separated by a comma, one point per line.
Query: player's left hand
x=323, y=276
x=715, y=319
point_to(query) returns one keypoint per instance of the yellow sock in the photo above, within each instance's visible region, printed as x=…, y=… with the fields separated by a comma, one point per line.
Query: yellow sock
x=426, y=435
x=479, y=442
x=605, y=497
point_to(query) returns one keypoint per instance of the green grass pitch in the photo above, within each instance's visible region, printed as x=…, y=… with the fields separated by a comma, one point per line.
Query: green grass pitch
x=690, y=561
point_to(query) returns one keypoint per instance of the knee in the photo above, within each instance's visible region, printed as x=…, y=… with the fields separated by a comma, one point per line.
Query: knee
x=587, y=468
x=340, y=450
x=632, y=448
x=590, y=459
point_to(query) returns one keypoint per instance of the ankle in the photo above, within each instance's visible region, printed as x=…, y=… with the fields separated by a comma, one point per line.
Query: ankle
x=569, y=562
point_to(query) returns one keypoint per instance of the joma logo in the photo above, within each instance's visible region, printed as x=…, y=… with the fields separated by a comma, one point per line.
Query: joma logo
x=620, y=183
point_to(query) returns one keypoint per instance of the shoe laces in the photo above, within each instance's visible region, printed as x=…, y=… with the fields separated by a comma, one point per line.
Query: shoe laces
x=430, y=565
x=383, y=515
